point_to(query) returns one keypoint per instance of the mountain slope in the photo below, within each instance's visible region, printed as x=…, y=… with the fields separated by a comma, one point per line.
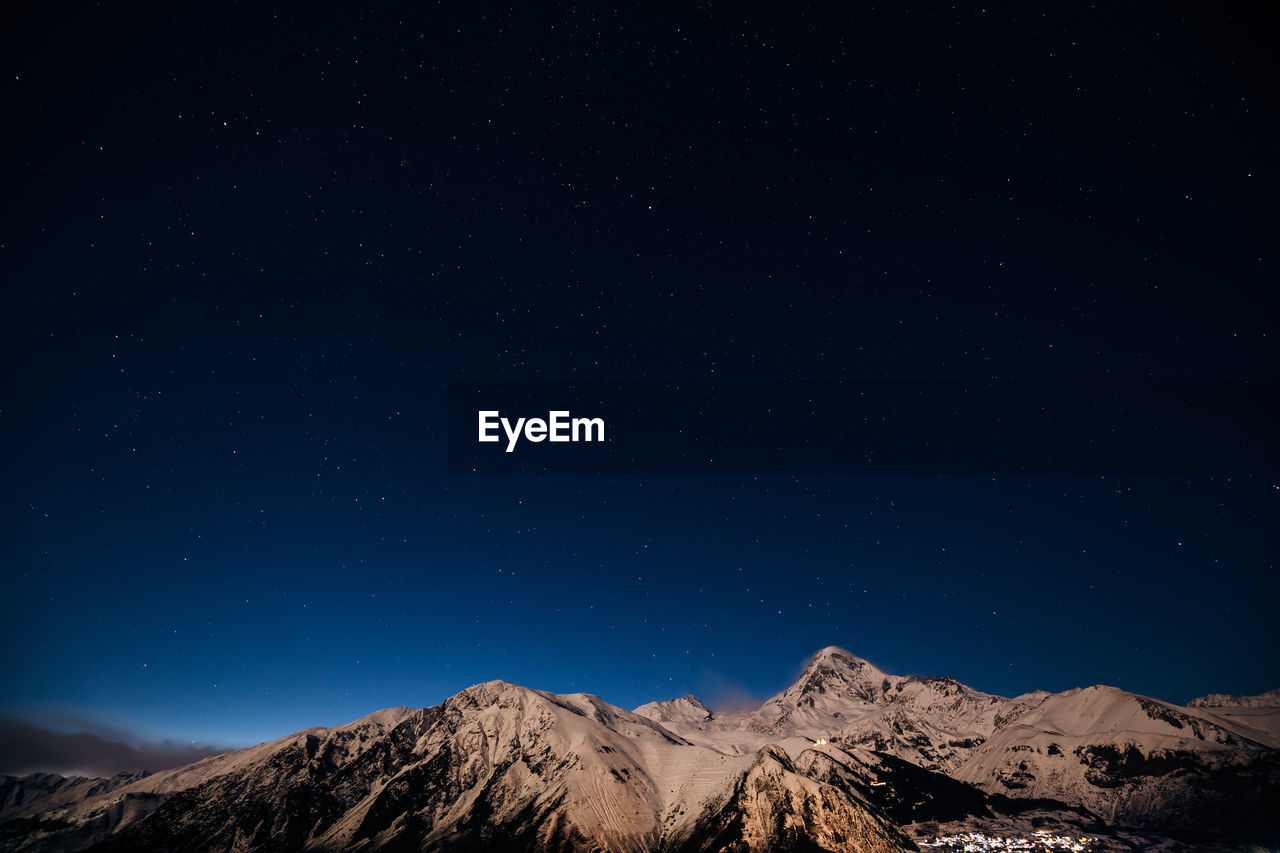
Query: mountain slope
x=75, y=824
x=1270, y=699
x=23, y=795
x=497, y=767
x=841, y=760
x=1127, y=758
x=933, y=722
x=1130, y=759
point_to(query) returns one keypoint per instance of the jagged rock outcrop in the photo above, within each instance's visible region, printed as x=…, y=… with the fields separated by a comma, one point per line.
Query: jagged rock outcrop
x=497, y=767
x=1129, y=759
x=842, y=760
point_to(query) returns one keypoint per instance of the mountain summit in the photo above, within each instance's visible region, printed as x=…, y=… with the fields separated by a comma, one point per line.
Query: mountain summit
x=849, y=758
x=838, y=672
x=687, y=710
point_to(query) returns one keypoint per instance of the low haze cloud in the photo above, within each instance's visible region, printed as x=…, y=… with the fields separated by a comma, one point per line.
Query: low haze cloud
x=85, y=748
x=725, y=696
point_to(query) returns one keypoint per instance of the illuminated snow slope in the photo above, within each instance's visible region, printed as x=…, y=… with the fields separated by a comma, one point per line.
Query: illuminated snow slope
x=503, y=767
x=498, y=766
x=1126, y=758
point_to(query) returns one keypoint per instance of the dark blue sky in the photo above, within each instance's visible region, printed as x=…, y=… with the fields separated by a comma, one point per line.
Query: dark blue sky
x=246, y=249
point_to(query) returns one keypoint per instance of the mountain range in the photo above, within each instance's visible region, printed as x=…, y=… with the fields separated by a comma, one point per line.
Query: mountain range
x=847, y=758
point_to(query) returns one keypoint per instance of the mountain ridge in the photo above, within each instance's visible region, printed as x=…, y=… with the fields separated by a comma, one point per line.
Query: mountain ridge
x=847, y=757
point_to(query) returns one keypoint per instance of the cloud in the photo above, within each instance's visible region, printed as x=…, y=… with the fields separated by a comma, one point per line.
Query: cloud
x=725, y=696
x=86, y=748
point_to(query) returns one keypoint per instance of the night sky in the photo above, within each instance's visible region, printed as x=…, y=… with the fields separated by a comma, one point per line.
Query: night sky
x=244, y=248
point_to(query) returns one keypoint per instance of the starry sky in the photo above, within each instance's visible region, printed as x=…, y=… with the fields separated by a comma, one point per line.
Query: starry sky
x=245, y=248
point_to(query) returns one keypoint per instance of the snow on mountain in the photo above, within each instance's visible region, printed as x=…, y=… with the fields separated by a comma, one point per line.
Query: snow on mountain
x=341, y=742
x=498, y=766
x=73, y=823
x=839, y=760
x=573, y=772
x=1257, y=716
x=931, y=721
x=1125, y=757
x=774, y=807
x=1270, y=699
x=685, y=711
x=41, y=791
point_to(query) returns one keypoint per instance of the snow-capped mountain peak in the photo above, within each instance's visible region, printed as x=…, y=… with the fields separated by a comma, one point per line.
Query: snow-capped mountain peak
x=836, y=671
x=687, y=710
x=1270, y=699
x=838, y=760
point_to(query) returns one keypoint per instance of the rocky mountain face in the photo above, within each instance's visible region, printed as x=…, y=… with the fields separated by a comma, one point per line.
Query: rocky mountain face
x=497, y=767
x=842, y=760
x=43, y=791
x=685, y=711
x=1270, y=699
x=1127, y=759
